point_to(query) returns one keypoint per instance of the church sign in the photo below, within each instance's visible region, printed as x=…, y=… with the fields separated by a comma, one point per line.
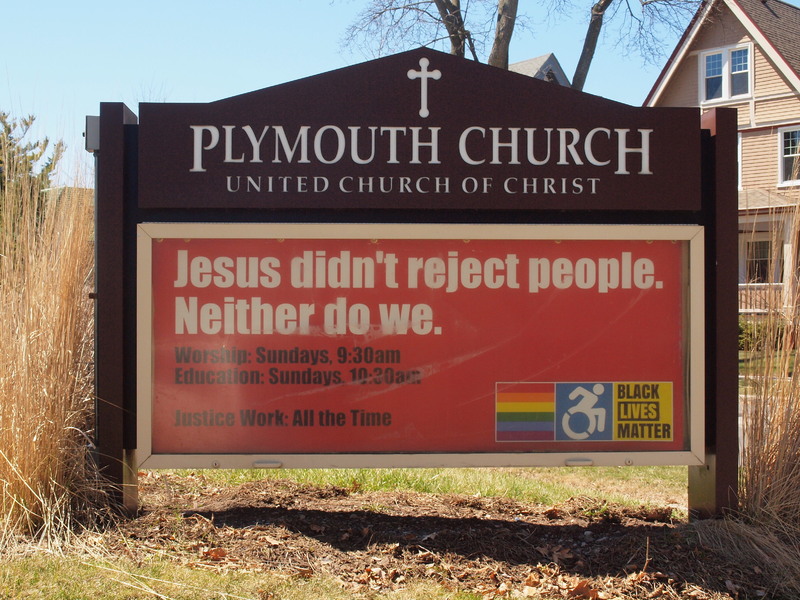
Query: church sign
x=386, y=266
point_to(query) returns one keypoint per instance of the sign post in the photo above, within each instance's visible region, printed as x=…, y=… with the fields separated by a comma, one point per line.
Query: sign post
x=377, y=281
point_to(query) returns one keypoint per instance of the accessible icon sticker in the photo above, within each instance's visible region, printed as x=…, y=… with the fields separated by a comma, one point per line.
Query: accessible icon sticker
x=584, y=411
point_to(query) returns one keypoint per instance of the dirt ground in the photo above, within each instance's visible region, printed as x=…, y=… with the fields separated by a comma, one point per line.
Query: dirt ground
x=379, y=541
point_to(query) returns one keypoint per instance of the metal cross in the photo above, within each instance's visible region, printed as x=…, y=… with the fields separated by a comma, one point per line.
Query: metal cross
x=423, y=75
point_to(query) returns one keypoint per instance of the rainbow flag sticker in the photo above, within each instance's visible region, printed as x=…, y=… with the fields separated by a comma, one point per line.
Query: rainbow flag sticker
x=525, y=412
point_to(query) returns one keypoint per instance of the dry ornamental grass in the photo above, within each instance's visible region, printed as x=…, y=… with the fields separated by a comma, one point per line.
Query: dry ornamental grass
x=46, y=260
x=767, y=529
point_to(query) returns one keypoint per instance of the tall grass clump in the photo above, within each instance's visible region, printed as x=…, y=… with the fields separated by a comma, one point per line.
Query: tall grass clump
x=766, y=530
x=46, y=398
x=770, y=454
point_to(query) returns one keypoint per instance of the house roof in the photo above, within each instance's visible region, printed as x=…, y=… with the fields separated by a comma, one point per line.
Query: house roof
x=774, y=25
x=780, y=24
x=760, y=200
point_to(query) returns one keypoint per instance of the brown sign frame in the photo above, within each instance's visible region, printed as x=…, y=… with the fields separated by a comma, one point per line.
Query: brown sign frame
x=145, y=175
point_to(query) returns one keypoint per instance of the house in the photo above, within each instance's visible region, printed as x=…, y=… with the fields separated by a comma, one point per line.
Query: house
x=745, y=54
x=544, y=67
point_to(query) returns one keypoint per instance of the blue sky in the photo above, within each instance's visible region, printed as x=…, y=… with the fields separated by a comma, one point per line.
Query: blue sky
x=61, y=59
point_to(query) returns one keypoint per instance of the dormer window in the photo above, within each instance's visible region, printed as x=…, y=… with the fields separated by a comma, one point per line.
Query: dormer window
x=725, y=74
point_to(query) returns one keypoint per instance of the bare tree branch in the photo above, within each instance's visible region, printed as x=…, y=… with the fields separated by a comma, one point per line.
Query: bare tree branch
x=641, y=29
x=387, y=26
x=465, y=27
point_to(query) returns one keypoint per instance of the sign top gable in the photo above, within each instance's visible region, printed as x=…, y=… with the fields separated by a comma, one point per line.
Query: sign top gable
x=418, y=130
x=386, y=82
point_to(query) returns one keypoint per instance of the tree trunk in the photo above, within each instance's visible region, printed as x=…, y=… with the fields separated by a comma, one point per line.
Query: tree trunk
x=590, y=44
x=506, y=17
x=450, y=13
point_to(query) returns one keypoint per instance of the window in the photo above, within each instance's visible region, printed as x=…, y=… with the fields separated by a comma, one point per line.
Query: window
x=740, y=72
x=761, y=265
x=789, y=152
x=725, y=74
x=713, y=76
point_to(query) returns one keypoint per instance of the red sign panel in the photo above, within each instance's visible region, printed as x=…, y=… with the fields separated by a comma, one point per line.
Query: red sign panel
x=312, y=345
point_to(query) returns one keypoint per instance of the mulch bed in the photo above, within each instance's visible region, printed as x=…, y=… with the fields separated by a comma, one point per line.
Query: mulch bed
x=381, y=541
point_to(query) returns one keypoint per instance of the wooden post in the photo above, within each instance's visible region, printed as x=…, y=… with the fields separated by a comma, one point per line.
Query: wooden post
x=115, y=407
x=714, y=486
